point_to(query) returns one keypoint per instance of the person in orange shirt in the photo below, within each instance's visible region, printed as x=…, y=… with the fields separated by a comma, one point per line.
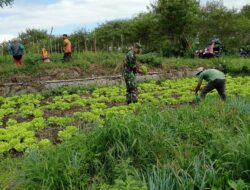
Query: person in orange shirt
x=66, y=48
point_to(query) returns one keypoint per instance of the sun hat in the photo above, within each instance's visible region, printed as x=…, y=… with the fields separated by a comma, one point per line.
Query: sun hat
x=199, y=70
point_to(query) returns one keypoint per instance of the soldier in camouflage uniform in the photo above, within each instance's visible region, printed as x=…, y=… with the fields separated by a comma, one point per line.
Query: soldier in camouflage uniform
x=129, y=73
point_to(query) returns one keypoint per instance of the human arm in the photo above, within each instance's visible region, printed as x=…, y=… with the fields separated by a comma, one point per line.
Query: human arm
x=130, y=63
x=65, y=43
x=139, y=69
x=198, y=87
x=21, y=46
x=21, y=49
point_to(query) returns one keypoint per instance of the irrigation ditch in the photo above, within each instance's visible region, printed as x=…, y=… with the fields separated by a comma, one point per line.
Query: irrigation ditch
x=33, y=86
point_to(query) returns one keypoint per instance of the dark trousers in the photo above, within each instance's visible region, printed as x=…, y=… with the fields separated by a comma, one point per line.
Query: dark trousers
x=219, y=85
x=67, y=57
x=18, y=59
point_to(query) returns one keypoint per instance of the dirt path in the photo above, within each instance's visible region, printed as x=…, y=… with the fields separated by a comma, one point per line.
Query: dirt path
x=26, y=84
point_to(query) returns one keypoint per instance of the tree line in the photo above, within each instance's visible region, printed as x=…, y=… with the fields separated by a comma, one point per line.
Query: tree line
x=169, y=27
x=177, y=28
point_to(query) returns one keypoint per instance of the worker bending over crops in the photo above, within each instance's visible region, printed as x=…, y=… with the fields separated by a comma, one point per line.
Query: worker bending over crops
x=129, y=73
x=45, y=56
x=16, y=50
x=216, y=80
x=66, y=48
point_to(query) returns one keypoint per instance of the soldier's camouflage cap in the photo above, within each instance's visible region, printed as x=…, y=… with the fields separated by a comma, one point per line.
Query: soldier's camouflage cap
x=137, y=45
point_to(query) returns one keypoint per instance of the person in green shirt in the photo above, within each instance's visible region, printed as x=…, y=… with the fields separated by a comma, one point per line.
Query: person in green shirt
x=130, y=69
x=216, y=80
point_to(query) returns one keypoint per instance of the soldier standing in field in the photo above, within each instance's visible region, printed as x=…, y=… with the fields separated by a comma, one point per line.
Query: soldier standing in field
x=216, y=80
x=129, y=73
x=66, y=48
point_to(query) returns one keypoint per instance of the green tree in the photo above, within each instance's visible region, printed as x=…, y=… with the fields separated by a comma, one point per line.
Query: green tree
x=245, y=11
x=5, y=3
x=217, y=21
x=35, y=39
x=177, y=21
x=112, y=34
x=81, y=40
x=33, y=35
x=144, y=29
x=123, y=33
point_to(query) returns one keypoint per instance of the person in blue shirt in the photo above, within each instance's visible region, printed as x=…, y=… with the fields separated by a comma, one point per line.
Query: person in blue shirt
x=16, y=50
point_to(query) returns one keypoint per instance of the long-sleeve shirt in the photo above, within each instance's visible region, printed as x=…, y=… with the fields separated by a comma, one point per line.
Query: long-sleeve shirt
x=130, y=67
x=16, y=49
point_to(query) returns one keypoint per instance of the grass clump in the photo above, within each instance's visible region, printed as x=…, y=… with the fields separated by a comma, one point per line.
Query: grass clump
x=201, y=147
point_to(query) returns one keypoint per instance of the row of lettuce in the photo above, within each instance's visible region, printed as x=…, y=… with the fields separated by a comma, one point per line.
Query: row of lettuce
x=24, y=117
x=157, y=147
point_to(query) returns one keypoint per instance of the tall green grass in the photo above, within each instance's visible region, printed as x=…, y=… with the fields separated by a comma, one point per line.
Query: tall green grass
x=193, y=147
x=233, y=65
x=33, y=64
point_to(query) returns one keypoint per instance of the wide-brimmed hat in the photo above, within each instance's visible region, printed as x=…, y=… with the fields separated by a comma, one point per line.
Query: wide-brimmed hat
x=16, y=40
x=198, y=71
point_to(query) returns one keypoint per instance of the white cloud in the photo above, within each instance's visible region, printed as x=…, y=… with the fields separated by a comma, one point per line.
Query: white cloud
x=6, y=37
x=236, y=3
x=233, y=3
x=67, y=13
x=73, y=13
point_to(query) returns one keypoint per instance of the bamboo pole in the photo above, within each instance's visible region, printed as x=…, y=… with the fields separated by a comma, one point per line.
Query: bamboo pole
x=94, y=43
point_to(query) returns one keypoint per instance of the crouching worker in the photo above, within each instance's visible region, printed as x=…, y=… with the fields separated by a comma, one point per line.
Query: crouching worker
x=129, y=74
x=45, y=56
x=16, y=50
x=216, y=80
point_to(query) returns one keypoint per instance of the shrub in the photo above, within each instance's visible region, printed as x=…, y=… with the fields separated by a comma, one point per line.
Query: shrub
x=186, y=149
x=150, y=59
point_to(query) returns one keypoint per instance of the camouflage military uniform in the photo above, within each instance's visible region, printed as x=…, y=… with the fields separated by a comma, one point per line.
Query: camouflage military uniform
x=129, y=73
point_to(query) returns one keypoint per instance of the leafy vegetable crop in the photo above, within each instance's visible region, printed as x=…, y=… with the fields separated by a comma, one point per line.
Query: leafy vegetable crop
x=24, y=117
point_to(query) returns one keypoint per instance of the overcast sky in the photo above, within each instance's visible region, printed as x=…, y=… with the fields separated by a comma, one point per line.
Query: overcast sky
x=66, y=16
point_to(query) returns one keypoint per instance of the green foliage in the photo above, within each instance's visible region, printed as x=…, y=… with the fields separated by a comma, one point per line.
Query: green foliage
x=44, y=143
x=220, y=22
x=119, y=145
x=176, y=21
x=5, y=3
x=150, y=59
x=172, y=28
x=35, y=117
x=245, y=11
x=144, y=69
x=9, y=173
x=66, y=169
x=67, y=133
x=33, y=63
x=178, y=28
x=129, y=184
x=238, y=185
x=61, y=121
x=200, y=174
x=185, y=150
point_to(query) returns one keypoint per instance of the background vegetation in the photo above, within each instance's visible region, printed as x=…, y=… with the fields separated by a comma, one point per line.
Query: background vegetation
x=206, y=148
x=108, y=63
x=158, y=146
x=169, y=27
